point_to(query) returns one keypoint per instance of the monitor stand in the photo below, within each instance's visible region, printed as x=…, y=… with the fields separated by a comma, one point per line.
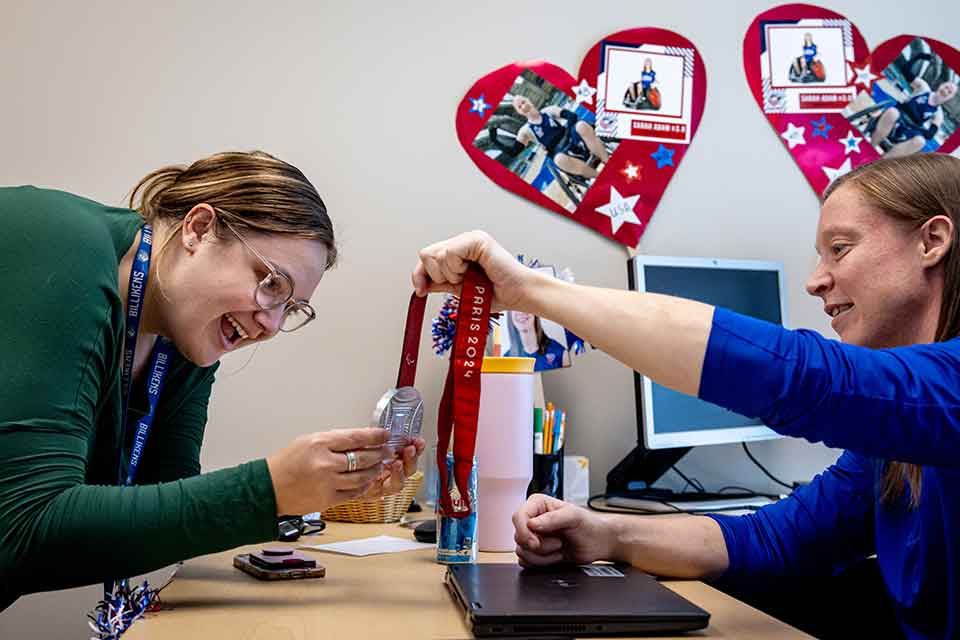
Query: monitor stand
x=630, y=486
x=641, y=468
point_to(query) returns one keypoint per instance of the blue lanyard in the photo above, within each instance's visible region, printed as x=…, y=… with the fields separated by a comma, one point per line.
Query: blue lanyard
x=159, y=363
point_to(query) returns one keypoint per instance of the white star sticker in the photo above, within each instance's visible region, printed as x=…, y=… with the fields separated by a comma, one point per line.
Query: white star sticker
x=619, y=210
x=851, y=143
x=793, y=135
x=583, y=92
x=834, y=173
x=863, y=75
x=631, y=172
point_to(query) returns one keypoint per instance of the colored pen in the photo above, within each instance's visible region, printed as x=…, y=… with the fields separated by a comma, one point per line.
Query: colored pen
x=548, y=430
x=563, y=430
x=558, y=423
x=538, y=430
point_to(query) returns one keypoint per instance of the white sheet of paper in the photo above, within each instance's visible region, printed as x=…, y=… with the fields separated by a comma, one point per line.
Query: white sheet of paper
x=370, y=546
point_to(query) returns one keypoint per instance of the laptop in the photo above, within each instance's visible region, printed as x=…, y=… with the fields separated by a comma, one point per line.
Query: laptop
x=588, y=600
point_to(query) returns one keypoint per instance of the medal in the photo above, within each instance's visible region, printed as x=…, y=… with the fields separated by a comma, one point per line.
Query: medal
x=400, y=410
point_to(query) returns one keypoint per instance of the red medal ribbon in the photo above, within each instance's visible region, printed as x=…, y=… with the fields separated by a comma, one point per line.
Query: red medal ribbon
x=411, y=341
x=460, y=403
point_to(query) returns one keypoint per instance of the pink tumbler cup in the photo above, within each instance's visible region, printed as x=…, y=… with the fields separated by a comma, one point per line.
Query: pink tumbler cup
x=504, y=448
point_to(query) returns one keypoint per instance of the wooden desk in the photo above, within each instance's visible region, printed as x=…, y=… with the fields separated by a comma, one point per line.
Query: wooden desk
x=390, y=597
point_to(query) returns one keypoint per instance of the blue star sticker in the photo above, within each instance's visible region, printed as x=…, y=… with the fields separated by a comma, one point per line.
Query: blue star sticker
x=663, y=156
x=820, y=127
x=478, y=105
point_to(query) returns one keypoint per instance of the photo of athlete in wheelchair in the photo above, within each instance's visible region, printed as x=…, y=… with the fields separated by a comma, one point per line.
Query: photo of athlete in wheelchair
x=539, y=134
x=808, y=67
x=913, y=108
x=643, y=95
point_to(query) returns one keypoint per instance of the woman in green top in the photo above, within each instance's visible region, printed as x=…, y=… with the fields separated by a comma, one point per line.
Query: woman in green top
x=241, y=241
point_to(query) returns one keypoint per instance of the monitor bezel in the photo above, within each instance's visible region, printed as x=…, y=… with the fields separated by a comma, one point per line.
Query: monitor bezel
x=728, y=435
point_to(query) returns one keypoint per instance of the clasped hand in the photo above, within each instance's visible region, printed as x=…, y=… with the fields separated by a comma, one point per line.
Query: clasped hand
x=549, y=531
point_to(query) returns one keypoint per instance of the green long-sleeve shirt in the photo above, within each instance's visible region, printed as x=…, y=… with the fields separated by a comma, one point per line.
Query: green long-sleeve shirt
x=61, y=338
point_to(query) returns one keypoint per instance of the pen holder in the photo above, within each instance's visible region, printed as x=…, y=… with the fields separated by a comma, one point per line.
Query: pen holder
x=547, y=474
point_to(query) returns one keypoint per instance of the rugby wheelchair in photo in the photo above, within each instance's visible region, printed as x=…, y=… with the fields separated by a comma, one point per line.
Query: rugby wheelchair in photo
x=574, y=186
x=866, y=120
x=814, y=72
x=645, y=100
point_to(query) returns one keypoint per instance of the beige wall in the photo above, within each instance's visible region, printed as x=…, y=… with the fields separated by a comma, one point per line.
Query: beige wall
x=361, y=96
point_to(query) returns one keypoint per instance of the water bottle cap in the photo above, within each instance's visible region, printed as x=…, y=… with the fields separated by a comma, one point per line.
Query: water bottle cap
x=502, y=364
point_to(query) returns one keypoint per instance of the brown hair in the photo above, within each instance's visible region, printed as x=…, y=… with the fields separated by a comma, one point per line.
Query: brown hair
x=914, y=189
x=253, y=189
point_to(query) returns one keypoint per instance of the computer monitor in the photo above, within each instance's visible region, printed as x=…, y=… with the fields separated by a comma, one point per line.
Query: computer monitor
x=669, y=422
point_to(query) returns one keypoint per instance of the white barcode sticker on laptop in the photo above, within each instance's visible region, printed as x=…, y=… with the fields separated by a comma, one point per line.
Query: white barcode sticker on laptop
x=601, y=571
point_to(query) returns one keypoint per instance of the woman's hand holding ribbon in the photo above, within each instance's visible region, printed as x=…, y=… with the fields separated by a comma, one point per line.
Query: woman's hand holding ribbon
x=441, y=267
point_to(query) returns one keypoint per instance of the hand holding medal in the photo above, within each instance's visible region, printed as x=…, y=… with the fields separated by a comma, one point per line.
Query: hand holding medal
x=485, y=276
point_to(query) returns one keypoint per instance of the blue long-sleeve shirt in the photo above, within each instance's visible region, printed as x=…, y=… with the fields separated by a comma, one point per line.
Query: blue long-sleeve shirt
x=891, y=404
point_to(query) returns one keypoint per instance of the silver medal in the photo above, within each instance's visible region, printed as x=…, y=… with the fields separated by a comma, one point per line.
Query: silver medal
x=400, y=411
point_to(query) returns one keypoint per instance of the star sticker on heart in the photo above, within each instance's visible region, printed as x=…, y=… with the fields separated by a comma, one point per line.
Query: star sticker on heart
x=583, y=92
x=835, y=172
x=851, y=144
x=663, y=156
x=631, y=172
x=793, y=135
x=478, y=105
x=620, y=210
x=862, y=75
x=821, y=128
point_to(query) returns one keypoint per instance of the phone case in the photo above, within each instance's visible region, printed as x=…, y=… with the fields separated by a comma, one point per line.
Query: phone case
x=242, y=562
x=281, y=559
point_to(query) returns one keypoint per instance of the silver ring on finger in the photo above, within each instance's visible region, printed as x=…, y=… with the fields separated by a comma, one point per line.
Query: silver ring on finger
x=351, y=461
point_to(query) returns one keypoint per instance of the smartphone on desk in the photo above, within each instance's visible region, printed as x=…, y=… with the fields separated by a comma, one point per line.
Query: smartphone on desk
x=281, y=559
x=278, y=564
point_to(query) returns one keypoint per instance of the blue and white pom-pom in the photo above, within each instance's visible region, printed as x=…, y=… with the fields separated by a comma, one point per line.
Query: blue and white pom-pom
x=120, y=609
x=443, y=328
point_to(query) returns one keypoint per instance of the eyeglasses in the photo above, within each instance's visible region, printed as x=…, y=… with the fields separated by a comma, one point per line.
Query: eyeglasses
x=276, y=290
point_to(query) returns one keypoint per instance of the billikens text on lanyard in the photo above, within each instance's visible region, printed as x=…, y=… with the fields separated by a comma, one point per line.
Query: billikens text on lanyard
x=460, y=404
x=159, y=362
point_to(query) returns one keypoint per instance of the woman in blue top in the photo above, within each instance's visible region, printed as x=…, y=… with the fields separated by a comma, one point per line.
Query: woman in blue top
x=637, y=94
x=908, y=125
x=889, y=393
x=802, y=65
x=568, y=139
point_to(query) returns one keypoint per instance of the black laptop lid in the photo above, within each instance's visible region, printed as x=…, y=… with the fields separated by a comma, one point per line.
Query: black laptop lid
x=534, y=600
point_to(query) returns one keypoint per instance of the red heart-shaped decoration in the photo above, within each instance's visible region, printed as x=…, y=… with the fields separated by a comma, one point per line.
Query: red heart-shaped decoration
x=835, y=105
x=601, y=155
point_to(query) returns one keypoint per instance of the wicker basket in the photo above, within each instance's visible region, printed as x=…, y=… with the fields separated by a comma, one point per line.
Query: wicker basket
x=386, y=509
